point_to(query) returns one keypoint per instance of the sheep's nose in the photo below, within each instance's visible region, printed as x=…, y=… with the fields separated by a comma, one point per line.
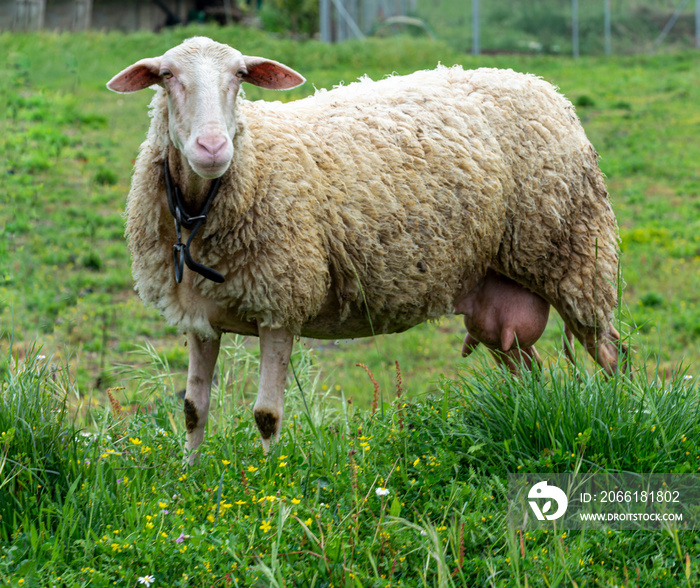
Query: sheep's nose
x=211, y=144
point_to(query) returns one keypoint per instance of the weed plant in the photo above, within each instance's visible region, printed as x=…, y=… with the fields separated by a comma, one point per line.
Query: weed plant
x=38, y=444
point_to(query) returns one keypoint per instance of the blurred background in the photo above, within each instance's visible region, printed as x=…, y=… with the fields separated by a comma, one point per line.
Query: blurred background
x=528, y=26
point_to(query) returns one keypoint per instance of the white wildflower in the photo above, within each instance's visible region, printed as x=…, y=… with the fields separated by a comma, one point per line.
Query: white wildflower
x=382, y=491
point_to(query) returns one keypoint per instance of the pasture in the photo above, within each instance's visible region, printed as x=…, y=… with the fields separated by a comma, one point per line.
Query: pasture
x=92, y=491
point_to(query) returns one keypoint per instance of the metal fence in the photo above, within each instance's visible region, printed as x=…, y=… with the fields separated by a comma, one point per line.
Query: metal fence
x=551, y=26
x=340, y=20
x=574, y=27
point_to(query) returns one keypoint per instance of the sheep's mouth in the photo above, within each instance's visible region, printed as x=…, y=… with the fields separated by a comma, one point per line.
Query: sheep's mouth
x=211, y=171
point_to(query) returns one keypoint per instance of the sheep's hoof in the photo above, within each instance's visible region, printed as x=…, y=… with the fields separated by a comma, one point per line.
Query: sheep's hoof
x=267, y=423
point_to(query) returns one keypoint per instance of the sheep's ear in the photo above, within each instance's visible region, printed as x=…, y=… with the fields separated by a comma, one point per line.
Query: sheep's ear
x=142, y=74
x=270, y=74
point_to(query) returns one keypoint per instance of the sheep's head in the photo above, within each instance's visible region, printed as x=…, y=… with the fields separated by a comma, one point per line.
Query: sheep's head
x=202, y=79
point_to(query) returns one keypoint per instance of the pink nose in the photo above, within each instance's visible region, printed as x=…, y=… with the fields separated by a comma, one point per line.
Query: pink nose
x=212, y=144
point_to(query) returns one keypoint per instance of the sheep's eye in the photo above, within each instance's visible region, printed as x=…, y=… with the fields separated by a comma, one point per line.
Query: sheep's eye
x=241, y=73
x=166, y=74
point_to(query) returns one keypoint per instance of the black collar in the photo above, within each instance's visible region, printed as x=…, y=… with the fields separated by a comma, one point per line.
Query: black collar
x=181, y=251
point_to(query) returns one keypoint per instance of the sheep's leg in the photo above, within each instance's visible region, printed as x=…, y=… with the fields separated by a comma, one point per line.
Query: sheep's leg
x=530, y=357
x=568, y=344
x=607, y=350
x=502, y=358
x=517, y=357
x=469, y=345
x=203, y=354
x=275, y=351
x=604, y=346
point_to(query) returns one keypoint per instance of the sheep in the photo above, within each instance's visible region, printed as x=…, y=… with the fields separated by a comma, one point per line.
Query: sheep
x=365, y=209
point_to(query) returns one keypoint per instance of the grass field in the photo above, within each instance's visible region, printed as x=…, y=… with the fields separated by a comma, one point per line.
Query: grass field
x=91, y=513
x=69, y=146
x=112, y=503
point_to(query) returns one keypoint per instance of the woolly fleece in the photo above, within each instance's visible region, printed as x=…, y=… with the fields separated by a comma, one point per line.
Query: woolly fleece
x=385, y=198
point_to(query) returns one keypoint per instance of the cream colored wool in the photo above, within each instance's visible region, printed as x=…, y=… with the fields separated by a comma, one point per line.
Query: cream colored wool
x=386, y=198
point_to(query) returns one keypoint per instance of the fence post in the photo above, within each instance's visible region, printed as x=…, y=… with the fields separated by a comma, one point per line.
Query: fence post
x=697, y=24
x=369, y=14
x=29, y=15
x=574, y=27
x=324, y=17
x=608, y=26
x=228, y=19
x=476, y=49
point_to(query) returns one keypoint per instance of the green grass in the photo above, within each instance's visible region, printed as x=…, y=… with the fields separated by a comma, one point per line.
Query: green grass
x=80, y=500
x=111, y=502
x=68, y=147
